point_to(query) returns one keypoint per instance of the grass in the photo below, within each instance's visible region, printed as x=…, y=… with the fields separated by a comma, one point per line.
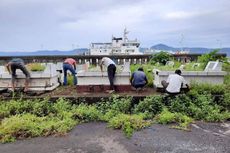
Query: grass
x=21, y=119
x=36, y=67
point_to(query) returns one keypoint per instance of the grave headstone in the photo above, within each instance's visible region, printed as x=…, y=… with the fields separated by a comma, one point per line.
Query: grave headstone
x=170, y=63
x=182, y=67
x=213, y=66
x=195, y=65
x=126, y=67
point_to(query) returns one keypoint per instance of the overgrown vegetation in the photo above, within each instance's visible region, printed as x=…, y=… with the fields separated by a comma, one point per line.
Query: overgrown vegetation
x=25, y=118
x=36, y=67
x=161, y=57
x=212, y=56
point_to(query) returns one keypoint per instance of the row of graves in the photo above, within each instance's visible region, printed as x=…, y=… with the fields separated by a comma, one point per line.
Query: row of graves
x=212, y=74
x=90, y=78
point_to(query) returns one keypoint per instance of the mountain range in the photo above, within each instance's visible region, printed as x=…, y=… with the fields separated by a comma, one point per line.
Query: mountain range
x=82, y=51
x=79, y=51
x=198, y=50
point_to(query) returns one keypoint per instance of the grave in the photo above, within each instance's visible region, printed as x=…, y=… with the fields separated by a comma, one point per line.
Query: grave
x=94, y=80
x=40, y=81
x=213, y=66
x=170, y=63
x=212, y=74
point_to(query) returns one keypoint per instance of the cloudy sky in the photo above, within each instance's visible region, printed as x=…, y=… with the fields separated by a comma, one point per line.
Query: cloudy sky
x=29, y=25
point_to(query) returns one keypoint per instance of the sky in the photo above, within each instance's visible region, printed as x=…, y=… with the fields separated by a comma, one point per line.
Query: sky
x=30, y=25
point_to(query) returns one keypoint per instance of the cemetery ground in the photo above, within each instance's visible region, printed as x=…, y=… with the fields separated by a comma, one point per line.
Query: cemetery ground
x=147, y=121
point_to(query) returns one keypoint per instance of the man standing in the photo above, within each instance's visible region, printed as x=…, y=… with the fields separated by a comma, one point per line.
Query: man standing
x=69, y=64
x=111, y=69
x=174, y=83
x=138, y=79
x=12, y=66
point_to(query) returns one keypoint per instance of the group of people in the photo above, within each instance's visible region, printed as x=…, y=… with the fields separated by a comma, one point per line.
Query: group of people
x=138, y=78
x=69, y=64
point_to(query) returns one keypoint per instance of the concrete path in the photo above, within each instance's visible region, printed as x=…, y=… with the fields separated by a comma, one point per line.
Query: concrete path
x=97, y=138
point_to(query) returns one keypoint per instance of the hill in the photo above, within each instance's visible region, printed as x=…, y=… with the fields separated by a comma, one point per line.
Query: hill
x=198, y=50
x=80, y=51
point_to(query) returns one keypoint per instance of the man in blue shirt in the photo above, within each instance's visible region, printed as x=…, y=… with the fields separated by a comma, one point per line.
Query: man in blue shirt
x=138, y=79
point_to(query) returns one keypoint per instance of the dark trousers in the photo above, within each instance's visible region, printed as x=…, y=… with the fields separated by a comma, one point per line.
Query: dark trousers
x=69, y=67
x=138, y=85
x=111, y=74
x=15, y=66
x=164, y=84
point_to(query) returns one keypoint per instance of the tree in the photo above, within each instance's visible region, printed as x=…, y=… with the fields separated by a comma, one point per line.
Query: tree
x=161, y=57
x=212, y=56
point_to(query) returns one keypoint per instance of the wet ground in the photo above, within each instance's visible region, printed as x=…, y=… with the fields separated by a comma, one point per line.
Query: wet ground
x=71, y=92
x=97, y=138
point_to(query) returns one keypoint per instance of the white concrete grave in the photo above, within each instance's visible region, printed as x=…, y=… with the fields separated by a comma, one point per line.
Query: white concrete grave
x=170, y=63
x=211, y=75
x=99, y=78
x=40, y=81
x=182, y=67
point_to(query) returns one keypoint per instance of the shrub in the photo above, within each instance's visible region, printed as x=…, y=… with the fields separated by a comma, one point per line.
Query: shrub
x=61, y=105
x=116, y=103
x=20, y=126
x=36, y=67
x=86, y=113
x=166, y=117
x=212, y=56
x=128, y=123
x=161, y=57
x=179, y=103
x=227, y=80
x=203, y=88
x=29, y=119
x=226, y=101
x=151, y=105
x=70, y=79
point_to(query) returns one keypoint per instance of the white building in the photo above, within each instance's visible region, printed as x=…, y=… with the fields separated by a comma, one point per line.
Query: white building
x=118, y=46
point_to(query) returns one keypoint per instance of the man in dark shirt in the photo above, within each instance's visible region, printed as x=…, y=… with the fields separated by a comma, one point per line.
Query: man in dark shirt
x=12, y=66
x=138, y=79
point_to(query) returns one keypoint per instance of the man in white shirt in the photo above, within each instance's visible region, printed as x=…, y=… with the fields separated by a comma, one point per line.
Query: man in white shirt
x=111, y=69
x=174, y=83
